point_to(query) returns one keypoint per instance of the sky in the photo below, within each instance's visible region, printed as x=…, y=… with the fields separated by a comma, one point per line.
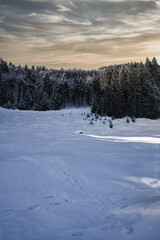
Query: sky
x=78, y=33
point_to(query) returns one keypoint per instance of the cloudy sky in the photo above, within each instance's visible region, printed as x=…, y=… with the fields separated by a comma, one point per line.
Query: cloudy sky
x=79, y=33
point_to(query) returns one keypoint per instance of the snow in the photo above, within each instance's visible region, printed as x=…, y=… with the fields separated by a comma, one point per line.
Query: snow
x=62, y=178
x=129, y=139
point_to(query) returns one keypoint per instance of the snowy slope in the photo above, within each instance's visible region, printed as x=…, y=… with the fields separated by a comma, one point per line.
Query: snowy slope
x=58, y=184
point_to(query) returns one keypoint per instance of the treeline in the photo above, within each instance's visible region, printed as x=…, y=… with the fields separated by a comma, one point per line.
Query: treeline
x=131, y=89
x=128, y=90
x=42, y=89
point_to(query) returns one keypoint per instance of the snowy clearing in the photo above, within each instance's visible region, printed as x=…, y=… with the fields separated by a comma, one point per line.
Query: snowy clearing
x=62, y=178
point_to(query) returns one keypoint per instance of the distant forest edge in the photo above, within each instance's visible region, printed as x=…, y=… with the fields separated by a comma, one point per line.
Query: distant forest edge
x=131, y=89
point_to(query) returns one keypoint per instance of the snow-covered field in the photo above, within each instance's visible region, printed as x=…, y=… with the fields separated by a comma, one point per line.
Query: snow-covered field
x=57, y=183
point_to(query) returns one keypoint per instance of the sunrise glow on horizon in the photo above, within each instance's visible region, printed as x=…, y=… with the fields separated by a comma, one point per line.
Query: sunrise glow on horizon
x=79, y=34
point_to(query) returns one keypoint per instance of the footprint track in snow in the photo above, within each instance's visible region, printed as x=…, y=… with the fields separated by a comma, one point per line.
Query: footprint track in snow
x=5, y=212
x=77, y=234
x=127, y=230
x=33, y=207
x=55, y=204
x=123, y=206
x=49, y=197
x=154, y=182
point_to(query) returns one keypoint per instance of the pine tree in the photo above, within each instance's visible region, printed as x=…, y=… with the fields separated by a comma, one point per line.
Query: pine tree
x=4, y=67
x=96, y=94
x=123, y=92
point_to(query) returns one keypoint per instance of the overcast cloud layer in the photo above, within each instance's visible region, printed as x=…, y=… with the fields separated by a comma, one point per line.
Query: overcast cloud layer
x=78, y=33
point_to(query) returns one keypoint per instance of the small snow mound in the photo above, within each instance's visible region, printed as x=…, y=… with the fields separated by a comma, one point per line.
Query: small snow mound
x=79, y=132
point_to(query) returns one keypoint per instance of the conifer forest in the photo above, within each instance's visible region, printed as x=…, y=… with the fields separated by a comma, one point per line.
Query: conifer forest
x=131, y=89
